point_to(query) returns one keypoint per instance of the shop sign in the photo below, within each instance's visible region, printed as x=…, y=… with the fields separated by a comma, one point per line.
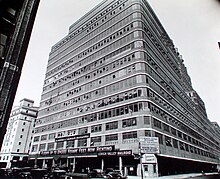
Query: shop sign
x=104, y=148
x=62, y=152
x=75, y=137
x=72, y=151
x=124, y=153
x=107, y=154
x=45, y=153
x=54, y=152
x=116, y=153
x=149, y=158
x=91, y=149
x=79, y=150
x=149, y=145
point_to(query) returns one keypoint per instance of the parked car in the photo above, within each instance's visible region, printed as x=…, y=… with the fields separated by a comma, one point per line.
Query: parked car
x=5, y=172
x=74, y=176
x=56, y=174
x=116, y=174
x=96, y=173
x=65, y=177
x=25, y=175
x=20, y=172
x=38, y=173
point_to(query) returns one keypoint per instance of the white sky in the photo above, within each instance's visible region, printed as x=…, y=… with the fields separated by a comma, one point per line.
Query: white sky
x=193, y=25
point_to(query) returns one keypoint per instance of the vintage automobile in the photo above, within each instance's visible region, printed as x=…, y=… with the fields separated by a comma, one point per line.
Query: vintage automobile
x=5, y=172
x=96, y=173
x=25, y=175
x=116, y=174
x=38, y=173
x=56, y=174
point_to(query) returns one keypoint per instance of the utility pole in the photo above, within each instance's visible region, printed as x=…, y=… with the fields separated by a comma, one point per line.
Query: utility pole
x=142, y=174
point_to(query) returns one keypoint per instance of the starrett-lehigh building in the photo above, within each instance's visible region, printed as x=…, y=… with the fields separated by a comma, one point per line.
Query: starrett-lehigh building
x=114, y=87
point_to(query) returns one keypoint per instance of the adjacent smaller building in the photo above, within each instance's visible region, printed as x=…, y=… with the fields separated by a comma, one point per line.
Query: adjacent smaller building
x=20, y=129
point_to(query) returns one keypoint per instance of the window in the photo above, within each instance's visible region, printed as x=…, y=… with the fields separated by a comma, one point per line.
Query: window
x=60, y=134
x=37, y=138
x=44, y=137
x=111, y=125
x=50, y=146
x=181, y=144
x=175, y=143
x=147, y=133
x=155, y=168
x=21, y=136
x=179, y=134
x=83, y=130
x=160, y=137
x=166, y=128
x=52, y=136
x=168, y=141
x=146, y=168
x=70, y=143
x=189, y=139
x=19, y=143
x=157, y=123
x=96, y=128
x=34, y=148
x=95, y=139
x=82, y=142
x=187, y=147
x=129, y=122
x=173, y=131
x=111, y=137
x=129, y=135
x=60, y=144
x=185, y=136
x=42, y=147
x=22, y=130
x=71, y=132
x=3, y=39
x=147, y=120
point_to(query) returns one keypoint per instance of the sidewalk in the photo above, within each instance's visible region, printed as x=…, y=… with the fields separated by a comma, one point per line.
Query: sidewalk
x=180, y=176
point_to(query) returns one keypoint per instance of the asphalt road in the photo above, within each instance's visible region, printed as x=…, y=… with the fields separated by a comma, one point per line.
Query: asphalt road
x=183, y=176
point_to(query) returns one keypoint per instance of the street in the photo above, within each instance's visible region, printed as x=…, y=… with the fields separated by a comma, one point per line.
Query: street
x=181, y=176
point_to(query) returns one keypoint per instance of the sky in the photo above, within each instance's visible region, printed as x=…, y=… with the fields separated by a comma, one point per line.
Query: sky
x=193, y=25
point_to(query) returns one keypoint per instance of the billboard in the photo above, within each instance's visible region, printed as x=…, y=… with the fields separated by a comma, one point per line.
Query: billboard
x=149, y=145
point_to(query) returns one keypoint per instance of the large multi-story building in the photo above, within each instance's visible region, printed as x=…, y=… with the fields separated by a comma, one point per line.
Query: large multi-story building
x=115, y=88
x=20, y=129
x=16, y=22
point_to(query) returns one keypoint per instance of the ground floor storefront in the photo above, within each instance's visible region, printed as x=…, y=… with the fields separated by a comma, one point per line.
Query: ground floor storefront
x=83, y=163
x=107, y=158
